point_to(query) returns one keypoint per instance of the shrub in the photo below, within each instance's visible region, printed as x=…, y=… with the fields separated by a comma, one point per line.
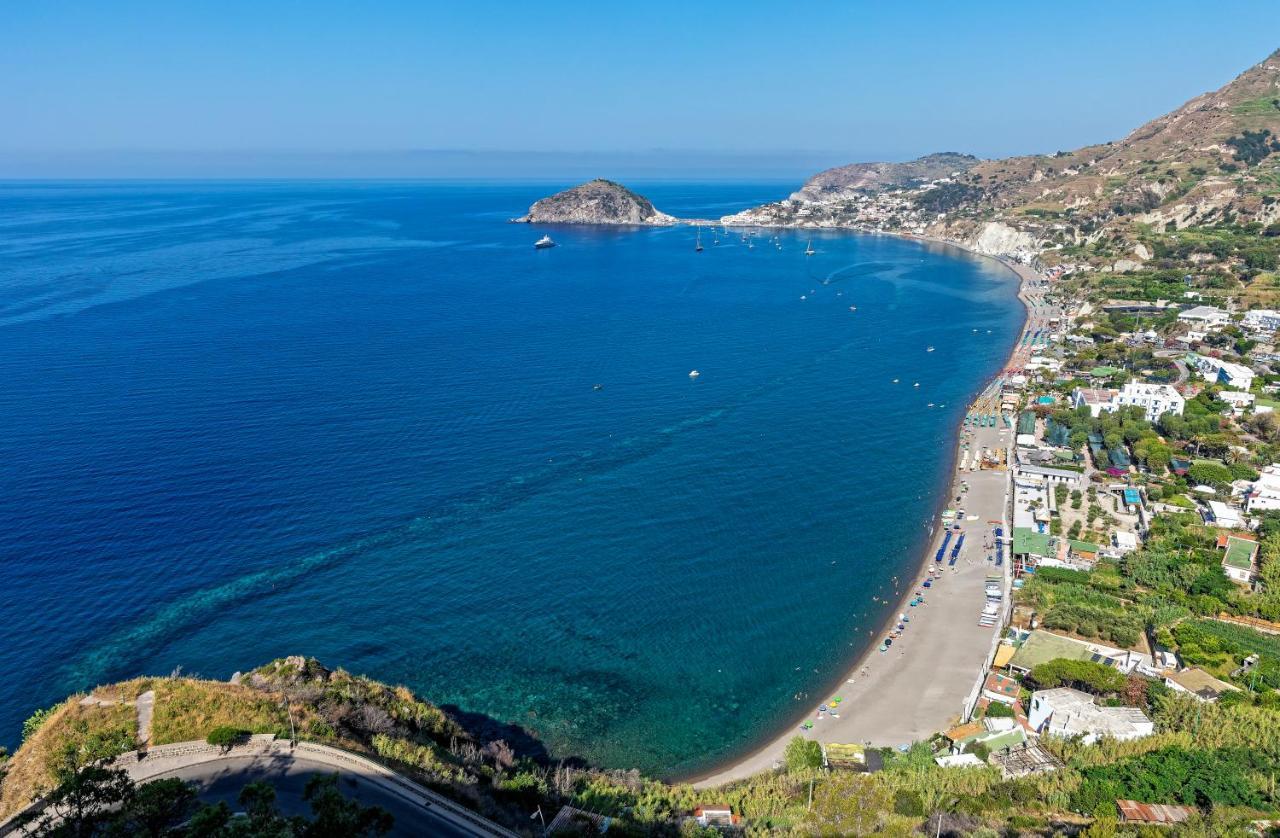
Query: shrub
x=998, y=710
x=1095, y=678
x=224, y=736
x=35, y=722
x=803, y=753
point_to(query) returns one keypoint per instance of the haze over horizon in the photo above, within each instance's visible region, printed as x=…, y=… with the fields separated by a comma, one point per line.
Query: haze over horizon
x=143, y=89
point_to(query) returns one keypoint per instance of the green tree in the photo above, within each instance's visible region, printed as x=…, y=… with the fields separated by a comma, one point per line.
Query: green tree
x=803, y=754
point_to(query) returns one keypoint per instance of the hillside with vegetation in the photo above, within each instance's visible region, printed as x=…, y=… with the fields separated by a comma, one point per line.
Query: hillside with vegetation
x=1218, y=758
x=1212, y=163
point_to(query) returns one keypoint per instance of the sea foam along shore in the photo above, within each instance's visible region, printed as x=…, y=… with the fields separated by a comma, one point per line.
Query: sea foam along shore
x=924, y=681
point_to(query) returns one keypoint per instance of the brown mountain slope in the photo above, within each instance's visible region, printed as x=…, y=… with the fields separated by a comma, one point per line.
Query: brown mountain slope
x=1214, y=160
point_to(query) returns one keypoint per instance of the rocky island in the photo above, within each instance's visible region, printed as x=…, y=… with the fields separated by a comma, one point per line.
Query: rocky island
x=597, y=201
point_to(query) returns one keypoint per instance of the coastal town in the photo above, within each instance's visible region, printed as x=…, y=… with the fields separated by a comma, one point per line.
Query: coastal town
x=1082, y=639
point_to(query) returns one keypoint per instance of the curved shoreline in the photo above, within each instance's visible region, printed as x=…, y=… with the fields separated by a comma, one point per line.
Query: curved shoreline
x=767, y=756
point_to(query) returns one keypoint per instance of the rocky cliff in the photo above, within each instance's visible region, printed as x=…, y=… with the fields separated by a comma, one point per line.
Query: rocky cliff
x=596, y=202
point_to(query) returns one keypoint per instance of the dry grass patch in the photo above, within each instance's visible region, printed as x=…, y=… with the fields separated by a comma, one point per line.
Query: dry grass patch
x=188, y=709
x=82, y=733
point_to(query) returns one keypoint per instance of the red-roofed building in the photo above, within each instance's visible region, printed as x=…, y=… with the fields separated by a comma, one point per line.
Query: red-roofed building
x=1131, y=811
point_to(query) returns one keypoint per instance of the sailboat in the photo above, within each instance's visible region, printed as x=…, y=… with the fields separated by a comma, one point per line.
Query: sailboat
x=697, y=247
x=809, y=251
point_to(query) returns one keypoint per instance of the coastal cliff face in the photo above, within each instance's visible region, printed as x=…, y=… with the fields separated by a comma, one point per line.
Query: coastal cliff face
x=596, y=202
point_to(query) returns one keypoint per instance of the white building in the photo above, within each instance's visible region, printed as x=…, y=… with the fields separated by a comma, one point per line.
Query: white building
x=1040, y=362
x=1220, y=515
x=1240, y=402
x=1235, y=375
x=1065, y=712
x=1124, y=541
x=1265, y=492
x=1262, y=320
x=1207, y=317
x=1155, y=399
x=1095, y=399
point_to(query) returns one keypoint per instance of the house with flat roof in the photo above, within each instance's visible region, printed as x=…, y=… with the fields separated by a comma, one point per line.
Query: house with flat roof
x=1155, y=399
x=1001, y=688
x=1197, y=682
x=1205, y=317
x=1239, y=557
x=1240, y=402
x=1068, y=713
x=1043, y=646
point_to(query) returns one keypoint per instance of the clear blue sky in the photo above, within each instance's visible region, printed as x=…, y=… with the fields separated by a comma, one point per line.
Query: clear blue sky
x=274, y=83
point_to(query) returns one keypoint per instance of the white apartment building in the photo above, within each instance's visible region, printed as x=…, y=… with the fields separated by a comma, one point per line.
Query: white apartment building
x=1262, y=320
x=1265, y=491
x=1155, y=399
x=1223, y=372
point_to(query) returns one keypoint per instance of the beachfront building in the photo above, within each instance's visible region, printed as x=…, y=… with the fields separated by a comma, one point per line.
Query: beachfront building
x=1239, y=557
x=1043, y=646
x=1205, y=317
x=1197, y=682
x=1264, y=493
x=1068, y=713
x=1051, y=475
x=1001, y=688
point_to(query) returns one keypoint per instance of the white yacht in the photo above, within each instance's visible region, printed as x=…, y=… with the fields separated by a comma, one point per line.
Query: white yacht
x=543, y=243
x=694, y=373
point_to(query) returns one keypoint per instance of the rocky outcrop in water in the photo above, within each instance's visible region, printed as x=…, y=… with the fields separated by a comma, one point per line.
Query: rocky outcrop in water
x=596, y=202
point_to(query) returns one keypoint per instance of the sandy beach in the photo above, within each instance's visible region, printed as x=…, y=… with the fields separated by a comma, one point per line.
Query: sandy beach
x=924, y=681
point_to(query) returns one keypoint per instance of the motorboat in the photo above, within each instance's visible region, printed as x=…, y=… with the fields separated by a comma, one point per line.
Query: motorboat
x=543, y=243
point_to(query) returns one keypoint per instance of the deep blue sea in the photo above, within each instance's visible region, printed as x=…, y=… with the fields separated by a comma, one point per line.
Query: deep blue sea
x=360, y=421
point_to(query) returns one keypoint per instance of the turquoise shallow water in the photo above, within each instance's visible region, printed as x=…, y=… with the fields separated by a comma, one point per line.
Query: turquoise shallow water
x=359, y=421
